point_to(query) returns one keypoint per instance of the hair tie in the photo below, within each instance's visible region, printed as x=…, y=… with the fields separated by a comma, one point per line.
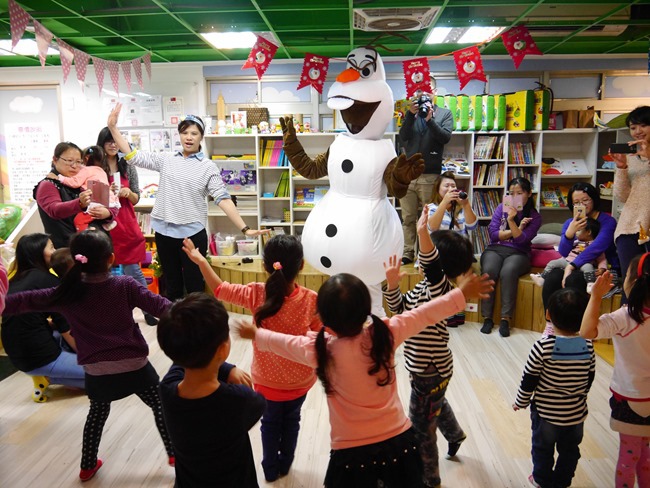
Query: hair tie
x=639, y=270
x=277, y=265
x=196, y=120
x=81, y=258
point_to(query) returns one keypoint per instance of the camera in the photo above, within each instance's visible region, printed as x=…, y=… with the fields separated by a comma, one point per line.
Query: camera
x=423, y=109
x=462, y=195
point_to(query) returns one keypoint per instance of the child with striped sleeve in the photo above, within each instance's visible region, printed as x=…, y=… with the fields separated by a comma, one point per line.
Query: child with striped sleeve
x=557, y=377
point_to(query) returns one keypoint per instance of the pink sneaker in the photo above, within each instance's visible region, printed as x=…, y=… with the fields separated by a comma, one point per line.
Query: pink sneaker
x=532, y=481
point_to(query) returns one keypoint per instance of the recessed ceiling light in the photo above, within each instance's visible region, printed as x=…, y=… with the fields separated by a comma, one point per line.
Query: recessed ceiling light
x=26, y=47
x=438, y=35
x=230, y=40
x=475, y=35
x=462, y=35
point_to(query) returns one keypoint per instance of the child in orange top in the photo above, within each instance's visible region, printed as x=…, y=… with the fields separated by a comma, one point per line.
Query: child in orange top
x=93, y=169
x=280, y=305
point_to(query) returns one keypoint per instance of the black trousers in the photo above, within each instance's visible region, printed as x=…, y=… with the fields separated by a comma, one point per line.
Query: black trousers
x=181, y=274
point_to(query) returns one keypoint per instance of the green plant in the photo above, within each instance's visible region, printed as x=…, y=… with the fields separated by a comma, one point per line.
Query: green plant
x=155, y=265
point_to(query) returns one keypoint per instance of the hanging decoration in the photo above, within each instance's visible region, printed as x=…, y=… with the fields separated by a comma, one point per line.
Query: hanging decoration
x=518, y=43
x=67, y=56
x=80, y=65
x=416, y=76
x=100, y=65
x=43, y=40
x=469, y=65
x=137, y=68
x=260, y=56
x=146, y=59
x=18, y=20
x=114, y=71
x=126, y=70
x=314, y=72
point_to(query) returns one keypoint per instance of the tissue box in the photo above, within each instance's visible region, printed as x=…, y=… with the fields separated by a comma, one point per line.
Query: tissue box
x=247, y=248
x=226, y=248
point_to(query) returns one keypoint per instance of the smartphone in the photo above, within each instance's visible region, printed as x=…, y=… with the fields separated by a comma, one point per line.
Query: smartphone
x=579, y=211
x=515, y=201
x=622, y=148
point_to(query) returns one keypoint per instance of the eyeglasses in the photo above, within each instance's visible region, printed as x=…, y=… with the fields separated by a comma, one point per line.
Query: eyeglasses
x=110, y=143
x=584, y=201
x=71, y=162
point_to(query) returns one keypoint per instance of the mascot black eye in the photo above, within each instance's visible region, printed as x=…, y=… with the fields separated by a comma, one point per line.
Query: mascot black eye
x=366, y=72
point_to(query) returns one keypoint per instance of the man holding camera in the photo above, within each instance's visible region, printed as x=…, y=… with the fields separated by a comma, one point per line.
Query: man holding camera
x=426, y=130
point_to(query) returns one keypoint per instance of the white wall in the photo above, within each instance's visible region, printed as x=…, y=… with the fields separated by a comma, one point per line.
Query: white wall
x=82, y=112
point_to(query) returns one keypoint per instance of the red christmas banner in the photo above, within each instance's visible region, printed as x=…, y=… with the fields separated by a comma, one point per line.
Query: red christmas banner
x=43, y=40
x=416, y=76
x=114, y=71
x=137, y=67
x=469, y=65
x=80, y=65
x=67, y=56
x=314, y=72
x=260, y=56
x=146, y=59
x=518, y=43
x=100, y=65
x=18, y=20
x=126, y=70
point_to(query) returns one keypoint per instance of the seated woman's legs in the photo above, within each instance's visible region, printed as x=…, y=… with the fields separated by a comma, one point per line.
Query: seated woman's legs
x=491, y=262
x=64, y=370
x=514, y=266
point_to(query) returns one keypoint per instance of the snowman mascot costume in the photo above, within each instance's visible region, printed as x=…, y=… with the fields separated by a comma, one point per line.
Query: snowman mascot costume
x=354, y=228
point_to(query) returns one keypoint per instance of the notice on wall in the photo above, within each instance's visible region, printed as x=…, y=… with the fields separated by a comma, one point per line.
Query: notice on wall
x=174, y=111
x=136, y=111
x=29, y=157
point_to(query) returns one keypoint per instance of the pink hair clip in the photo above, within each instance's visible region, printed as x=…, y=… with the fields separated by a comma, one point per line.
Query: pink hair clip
x=81, y=258
x=277, y=265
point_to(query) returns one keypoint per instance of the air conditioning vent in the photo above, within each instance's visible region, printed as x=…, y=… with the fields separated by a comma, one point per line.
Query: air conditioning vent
x=393, y=19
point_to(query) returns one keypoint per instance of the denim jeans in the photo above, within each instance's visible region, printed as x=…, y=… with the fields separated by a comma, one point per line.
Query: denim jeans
x=429, y=410
x=135, y=271
x=548, y=437
x=280, y=427
x=64, y=370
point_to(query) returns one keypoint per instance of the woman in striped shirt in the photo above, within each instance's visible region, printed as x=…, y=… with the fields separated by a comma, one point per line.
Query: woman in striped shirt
x=187, y=177
x=448, y=209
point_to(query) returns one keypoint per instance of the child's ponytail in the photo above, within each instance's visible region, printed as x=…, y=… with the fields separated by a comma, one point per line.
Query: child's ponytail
x=381, y=351
x=322, y=359
x=639, y=296
x=276, y=290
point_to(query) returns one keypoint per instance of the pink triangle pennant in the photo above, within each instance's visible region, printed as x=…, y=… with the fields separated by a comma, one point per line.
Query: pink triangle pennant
x=146, y=59
x=126, y=70
x=100, y=65
x=114, y=71
x=18, y=20
x=80, y=65
x=43, y=40
x=260, y=56
x=314, y=72
x=67, y=56
x=137, y=67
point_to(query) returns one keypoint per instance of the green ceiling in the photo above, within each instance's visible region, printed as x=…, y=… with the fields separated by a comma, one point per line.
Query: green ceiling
x=122, y=30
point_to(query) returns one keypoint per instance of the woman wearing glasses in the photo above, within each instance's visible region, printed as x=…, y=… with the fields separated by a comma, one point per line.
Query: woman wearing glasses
x=587, y=195
x=58, y=204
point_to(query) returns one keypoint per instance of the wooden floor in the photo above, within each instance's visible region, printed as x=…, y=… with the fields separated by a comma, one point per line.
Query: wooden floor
x=40, y=443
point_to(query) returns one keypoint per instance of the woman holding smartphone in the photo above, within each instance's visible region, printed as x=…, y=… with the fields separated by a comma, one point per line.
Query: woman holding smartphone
x=583, y=201
x=631, y=183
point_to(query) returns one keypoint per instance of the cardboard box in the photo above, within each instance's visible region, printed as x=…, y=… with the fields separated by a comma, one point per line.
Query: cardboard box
x=499, y=112
x=520, y=108
x=487, y=114
x=475, y=112
x=542, y=109
x=570, y=119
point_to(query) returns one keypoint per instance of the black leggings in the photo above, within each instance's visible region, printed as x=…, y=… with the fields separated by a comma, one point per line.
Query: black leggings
x=96, y=419
x=180, y=273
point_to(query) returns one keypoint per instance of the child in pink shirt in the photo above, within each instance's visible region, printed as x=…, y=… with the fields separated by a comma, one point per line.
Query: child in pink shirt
x=93, y=169
x=280, y=305
x=371, y=436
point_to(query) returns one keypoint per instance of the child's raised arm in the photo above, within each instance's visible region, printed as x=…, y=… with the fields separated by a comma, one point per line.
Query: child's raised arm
x=589, y=326
x=393, y=273
x=426, y=244
x=211, y=278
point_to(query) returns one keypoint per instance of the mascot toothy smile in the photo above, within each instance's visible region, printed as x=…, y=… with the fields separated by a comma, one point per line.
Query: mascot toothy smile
x=354, y=228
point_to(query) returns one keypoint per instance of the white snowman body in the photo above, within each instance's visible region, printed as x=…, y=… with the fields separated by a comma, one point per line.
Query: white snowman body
x=354, y=228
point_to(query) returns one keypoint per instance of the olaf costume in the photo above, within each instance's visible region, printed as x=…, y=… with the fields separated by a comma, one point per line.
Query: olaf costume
x=354, y=228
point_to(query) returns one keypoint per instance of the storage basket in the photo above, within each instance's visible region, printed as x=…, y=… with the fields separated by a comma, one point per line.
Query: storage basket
x=255, y=115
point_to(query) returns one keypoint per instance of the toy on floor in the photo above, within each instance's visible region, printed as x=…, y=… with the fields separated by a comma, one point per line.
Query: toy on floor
x=40, y=384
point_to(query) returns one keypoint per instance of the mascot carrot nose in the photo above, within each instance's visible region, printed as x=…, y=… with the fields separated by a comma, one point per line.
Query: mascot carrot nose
x=348, y=75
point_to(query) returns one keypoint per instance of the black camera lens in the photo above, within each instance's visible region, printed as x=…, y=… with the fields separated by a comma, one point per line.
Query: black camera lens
x=462, y=195
x=422, y=104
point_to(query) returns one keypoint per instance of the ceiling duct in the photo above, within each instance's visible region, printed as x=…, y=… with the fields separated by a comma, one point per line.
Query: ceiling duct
x=393, y=19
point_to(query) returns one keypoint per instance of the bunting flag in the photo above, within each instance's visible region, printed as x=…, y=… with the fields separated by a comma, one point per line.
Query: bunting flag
x=260, y=56
x=126, y=70
x=137, y=67
x=114, y=71
x=469, y=65
x=146, y=59
x=314, y=72
x=518, y=43
x=100, y=65
x=43, y=40
x=18, y=20
x=67, y=56
x=416, y=76
x=80, y=65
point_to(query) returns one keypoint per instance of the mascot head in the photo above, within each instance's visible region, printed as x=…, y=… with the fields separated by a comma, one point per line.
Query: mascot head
x=362, y=95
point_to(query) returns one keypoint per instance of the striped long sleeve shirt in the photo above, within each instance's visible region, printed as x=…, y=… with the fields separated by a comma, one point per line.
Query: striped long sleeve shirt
x=430, y=345
x=557, y=377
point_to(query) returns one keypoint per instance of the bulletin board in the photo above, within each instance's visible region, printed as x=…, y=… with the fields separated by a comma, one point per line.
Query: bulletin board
x=30, y=128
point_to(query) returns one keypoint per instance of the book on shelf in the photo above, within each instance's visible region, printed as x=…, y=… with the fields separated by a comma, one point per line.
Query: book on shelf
x=521, y=153
x=275, y=231
x=308, y=196
x=144, y=221
x=488, y=147
x=273, y=153
x=527, y=173
x=480, y=238
x=488, y=174
x=485, y=202
x=555, y=195
x=282, y=189
x=564, y=166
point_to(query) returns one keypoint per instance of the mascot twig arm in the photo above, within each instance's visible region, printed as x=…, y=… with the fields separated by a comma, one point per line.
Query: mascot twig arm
x=401, y=171
x=302, y=163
